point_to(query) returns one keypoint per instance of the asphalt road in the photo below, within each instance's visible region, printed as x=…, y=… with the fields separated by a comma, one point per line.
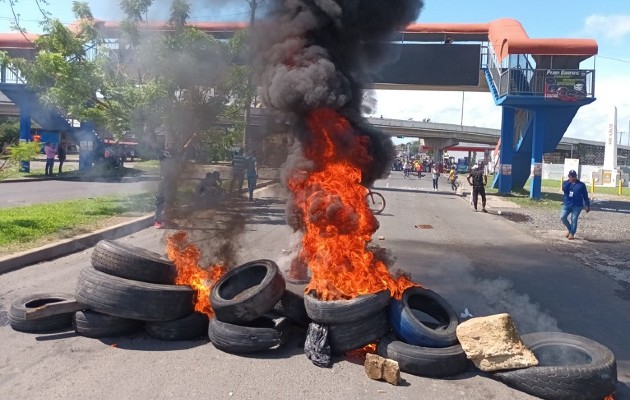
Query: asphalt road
x=476, y=261
x=16, y=194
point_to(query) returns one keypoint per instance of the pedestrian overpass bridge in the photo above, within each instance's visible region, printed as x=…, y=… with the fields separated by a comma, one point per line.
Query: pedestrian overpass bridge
x=537, y=83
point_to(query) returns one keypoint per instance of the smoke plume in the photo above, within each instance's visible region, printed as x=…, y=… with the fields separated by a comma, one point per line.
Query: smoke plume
x=317, y=54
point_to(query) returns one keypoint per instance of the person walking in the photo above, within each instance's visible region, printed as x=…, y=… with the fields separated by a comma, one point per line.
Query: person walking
x=574, y=201
x=477, y=179
x=435, y=175
x=252, y=174
x=50, y=151
x=406, y=169
x=239, y=164
x=452, y=177
x=61, y=155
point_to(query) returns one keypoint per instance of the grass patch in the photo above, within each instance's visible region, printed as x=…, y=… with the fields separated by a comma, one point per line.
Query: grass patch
x=551, y=195
x=31, y=226
x=147, y=165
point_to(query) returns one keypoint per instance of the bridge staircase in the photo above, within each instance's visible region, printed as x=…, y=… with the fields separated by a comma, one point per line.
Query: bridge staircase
x=24, y=98
x=14, y=87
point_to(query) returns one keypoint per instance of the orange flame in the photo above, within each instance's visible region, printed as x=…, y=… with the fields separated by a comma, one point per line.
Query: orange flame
x=609, y=397
x=360, y=353
x=186, y=257
x=337, y=221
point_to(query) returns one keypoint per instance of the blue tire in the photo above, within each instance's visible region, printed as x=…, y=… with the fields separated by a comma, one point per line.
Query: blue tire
x=439, y=332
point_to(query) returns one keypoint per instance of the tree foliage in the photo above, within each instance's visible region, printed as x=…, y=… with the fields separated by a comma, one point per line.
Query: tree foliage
x=179, y=83
x=9, y=133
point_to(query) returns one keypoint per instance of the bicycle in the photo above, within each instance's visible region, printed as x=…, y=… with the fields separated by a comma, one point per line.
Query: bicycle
x=376, y=201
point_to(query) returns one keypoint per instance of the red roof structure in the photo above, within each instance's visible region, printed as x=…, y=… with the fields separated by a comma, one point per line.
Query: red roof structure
x=507, y=36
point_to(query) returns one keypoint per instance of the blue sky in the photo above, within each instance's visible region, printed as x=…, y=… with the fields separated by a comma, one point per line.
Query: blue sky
x=606, y=21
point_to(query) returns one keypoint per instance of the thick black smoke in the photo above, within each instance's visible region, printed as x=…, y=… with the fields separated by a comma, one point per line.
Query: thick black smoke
x=317, y=53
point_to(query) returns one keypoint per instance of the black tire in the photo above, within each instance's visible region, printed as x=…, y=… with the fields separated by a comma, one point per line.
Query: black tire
x=424, y=361
x=131, y=262
x=94, y=324
x=291, y=305
x=342, y=311
x=17, y=313
x=570, y=367
x=359, y=333
x=193, y=326
x=247, y=292
x=376, y=202
x=259, y=335
x=441, y=332
x=132, y=299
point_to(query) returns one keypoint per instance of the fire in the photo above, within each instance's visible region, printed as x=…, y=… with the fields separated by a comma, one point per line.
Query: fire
x=186, y=257
x=337, y=221
x=360, y=353
x=609, y=397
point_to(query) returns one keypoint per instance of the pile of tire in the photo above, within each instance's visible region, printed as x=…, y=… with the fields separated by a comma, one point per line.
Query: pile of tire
x=423, y=339
x=129, y=288
x=126, y=288
x=352, y=324
x=253, y=310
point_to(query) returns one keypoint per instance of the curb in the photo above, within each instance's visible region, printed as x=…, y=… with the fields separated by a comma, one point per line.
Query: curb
x=72, y=245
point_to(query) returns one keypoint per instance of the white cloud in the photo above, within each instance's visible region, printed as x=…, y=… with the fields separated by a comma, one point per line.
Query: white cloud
x=615, y=27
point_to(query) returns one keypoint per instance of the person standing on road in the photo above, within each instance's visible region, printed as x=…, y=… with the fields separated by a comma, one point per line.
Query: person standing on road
x=477, y=179
x=452, y=177
x=252, y=174
x=435, y=175
x=50, y=151
x=61, y=155
x=239, y=164
x=575, y=199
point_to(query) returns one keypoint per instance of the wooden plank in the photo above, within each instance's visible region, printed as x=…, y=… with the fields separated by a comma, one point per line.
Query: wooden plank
x=60, y=307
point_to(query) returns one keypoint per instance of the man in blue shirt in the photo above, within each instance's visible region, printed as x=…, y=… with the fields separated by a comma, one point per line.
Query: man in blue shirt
x=575, y=199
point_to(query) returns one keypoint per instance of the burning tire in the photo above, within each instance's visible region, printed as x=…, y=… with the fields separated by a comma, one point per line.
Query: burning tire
x=570, y=367
x=291, y=305
x=247, y=292
x=344, y=311
x=260, y=334
x=190, y=327
x=97, y=325
x=423, y=318
x=132, y=262
x=424, y=361
x=357, y=334
x=17, y=313
x=130, y=299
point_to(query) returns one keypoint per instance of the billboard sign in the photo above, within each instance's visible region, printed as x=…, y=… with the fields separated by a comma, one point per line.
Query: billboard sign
x=565, y=85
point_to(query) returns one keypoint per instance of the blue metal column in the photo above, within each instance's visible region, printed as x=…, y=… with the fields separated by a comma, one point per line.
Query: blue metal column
x=537, y=153
x=507, y=150
x=25, y=131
